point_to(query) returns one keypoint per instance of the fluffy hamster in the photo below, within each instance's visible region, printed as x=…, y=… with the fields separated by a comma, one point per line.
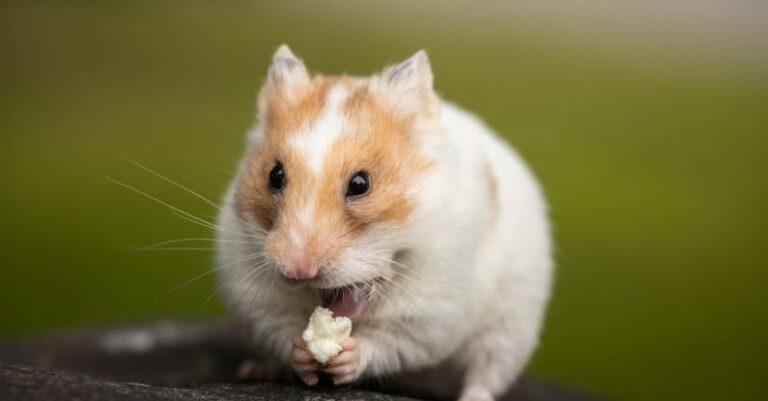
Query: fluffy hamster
x=378, y=200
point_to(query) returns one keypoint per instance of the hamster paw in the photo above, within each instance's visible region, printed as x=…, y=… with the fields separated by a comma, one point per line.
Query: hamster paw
x=474, y=393
x=473, y=398
x=303, y=363
x=345, y=367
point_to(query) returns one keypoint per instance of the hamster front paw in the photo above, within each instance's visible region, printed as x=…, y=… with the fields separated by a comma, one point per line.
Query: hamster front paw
x=303, y=363
x=475, y=392
x=345, y=367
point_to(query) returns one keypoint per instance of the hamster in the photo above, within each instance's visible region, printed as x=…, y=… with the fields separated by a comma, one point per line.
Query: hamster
x=375, y=198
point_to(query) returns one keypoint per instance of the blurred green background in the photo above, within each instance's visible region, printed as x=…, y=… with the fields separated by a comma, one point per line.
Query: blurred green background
x=650, y=140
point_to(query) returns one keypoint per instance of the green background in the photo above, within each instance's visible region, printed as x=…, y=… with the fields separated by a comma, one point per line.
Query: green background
x=654, y=163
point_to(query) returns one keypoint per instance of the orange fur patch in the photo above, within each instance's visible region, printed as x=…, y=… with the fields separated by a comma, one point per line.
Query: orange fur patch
x=376, y=140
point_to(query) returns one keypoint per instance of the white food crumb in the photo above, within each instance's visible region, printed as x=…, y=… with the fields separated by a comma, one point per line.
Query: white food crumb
x=324, y=333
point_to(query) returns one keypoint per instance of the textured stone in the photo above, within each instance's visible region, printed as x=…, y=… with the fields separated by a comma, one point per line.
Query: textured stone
x=26, y=383
x=170, y=360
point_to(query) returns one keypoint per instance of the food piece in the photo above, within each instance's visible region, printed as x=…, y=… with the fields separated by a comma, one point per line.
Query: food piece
x=324, y=333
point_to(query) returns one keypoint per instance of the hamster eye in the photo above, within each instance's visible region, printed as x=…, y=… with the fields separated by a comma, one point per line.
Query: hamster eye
x=359, y=184
x=277, y=177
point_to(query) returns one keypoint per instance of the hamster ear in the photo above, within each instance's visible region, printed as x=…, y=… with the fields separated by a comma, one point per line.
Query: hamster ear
x=287, y=68
x=412, y=74
x=408, y=85
x=286, y=76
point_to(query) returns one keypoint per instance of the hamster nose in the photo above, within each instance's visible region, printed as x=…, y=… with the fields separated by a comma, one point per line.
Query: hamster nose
x=300, y=268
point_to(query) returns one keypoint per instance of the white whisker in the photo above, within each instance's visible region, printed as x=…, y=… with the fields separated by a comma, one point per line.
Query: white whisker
x=259, y=268
x=181, y=213
x=205, y=274
x=188, y=190
x=183, y=240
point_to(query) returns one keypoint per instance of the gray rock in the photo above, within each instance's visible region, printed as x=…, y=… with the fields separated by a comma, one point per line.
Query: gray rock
x=18, y=383
x=172, y=360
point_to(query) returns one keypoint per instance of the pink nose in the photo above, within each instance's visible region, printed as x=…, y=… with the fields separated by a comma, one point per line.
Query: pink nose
x=300, y=268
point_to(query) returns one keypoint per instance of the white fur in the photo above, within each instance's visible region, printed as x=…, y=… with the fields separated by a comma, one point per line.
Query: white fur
x=472, y=299
x=313, y=144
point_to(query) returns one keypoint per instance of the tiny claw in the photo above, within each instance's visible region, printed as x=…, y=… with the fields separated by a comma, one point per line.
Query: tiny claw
x=310, y=379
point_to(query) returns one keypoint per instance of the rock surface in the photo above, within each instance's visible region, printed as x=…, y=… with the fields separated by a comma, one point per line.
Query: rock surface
x=25, y=383
x=170, y=360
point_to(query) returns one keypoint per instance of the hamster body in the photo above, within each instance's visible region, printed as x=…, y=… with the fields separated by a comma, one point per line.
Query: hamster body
x=377, y=199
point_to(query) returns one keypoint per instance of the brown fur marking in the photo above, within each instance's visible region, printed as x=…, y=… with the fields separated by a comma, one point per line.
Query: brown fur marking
x=376, y=140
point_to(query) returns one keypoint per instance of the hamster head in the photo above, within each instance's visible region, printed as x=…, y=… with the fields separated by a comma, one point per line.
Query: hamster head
x=333, y=173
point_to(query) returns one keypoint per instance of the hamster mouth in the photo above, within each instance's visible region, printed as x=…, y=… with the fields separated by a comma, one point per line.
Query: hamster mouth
x=350, y=300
